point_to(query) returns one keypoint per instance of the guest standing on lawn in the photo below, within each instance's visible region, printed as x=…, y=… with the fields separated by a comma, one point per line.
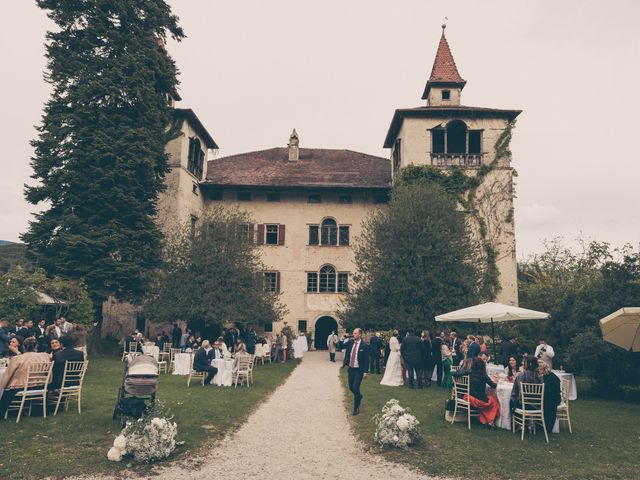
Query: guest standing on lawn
x=436, y=356
x=375, y=344
x=411, y=351
x=545, y=352
x=509, y=348
x=357, y=359
x=332, y=341
x=427, y=364
x=446, y=354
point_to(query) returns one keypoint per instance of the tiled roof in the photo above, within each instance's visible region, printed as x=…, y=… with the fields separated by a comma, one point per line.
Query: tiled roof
x=316, y=168
x=445, y=112
x=444, y=71
x=192, y=118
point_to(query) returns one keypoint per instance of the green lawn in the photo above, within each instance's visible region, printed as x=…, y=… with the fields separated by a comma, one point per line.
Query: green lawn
x=604, y=443
x=75, y=444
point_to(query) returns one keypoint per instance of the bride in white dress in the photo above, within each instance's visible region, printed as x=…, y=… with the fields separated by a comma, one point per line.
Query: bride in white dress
x=393, y=370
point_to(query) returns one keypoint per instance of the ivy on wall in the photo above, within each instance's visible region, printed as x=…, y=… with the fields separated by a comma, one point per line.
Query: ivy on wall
x=464, y=187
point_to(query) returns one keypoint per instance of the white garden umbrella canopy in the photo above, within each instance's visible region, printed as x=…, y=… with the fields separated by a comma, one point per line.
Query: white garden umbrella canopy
x=491, y=312
x=622, y=328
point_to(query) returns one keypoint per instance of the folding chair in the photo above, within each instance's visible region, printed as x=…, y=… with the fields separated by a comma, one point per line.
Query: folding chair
x=563, y=408
x=461, y=399
x=531, y=410
x=242, y=372
x=35, y=389
x=194, y=374
x=71, y=386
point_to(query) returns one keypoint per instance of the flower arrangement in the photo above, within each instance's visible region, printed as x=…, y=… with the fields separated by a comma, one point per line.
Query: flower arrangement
x=395, y=426
x=4, y=362
x=152, y=437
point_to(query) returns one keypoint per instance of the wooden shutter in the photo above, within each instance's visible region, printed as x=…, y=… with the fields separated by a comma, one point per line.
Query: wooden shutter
x=251, y=237
x=278, y=282
x=260, y=240
x=281, y=234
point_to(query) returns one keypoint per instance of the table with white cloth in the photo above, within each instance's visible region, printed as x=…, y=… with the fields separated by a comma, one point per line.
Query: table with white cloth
x=224, y=375
x=152, y=351
x=181, y=363
x=2, y=371
x=503, y=393
x=300, y=346
x=573, y=389
x=262, y=350
x=493, y=369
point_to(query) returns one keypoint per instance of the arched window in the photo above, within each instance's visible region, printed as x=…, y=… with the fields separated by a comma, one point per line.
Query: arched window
x=456, y=137
x=329, y=232
x=327, y=279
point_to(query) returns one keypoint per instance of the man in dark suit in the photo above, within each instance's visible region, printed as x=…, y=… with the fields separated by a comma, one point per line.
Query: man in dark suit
x=229, y=339
x=436, y=356
x=411, y=351
x=202, y=361
x=41, y=335
x=176, y=335
x=356, y=357
x=509, y=347
x=375, y=344
x=474, y=348
x=456, y=344
x=60, y=359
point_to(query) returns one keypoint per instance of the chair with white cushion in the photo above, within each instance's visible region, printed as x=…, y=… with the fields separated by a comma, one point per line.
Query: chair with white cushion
x=35, y=389
x=531, y=411
x=461, y=399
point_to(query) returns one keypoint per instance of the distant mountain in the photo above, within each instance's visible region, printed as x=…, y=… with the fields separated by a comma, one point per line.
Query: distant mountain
x=5, y=242
x=11, y=255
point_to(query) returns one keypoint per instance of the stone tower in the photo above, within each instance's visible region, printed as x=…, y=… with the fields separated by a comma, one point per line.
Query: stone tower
x=446, y=134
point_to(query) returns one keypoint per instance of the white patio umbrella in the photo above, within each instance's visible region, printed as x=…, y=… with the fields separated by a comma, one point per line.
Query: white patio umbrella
x=491, y=312
x=622, y=328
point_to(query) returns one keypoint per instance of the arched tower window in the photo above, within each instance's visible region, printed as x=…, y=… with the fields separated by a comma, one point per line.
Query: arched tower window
x=329, y=232
x=455, y=144
x=456, y=137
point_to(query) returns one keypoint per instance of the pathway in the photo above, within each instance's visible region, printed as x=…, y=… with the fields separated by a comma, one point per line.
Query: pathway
x=300, y=432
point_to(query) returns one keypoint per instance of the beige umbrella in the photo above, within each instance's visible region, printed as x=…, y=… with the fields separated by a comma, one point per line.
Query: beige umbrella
x=622, y=328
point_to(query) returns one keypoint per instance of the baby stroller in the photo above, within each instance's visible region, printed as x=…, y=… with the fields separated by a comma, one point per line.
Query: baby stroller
x=138, y=390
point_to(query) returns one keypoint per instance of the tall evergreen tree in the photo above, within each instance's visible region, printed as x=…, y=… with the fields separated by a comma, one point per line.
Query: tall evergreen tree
x=414, y=260
x=99, y=157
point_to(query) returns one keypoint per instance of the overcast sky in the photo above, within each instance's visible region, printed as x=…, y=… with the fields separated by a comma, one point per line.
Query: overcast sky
x=336, y=70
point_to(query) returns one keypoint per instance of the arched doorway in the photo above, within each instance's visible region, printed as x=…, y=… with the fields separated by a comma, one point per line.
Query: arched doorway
x=324, y=327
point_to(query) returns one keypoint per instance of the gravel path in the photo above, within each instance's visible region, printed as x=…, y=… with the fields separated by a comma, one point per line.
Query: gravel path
x=287, y=437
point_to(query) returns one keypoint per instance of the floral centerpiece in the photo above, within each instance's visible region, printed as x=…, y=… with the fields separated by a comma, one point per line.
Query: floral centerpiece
x=396, y=427
x=152, y=437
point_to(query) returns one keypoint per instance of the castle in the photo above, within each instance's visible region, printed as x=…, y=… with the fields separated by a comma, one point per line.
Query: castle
x=308, y=204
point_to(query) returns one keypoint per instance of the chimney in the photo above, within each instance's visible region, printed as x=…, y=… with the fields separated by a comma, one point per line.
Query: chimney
x=294, y=153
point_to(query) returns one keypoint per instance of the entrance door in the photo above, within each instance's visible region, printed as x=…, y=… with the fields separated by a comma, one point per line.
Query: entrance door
x=324, y=327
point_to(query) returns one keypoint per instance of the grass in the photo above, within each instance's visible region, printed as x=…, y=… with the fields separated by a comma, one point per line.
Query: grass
x=603, y=444
x=77, y=444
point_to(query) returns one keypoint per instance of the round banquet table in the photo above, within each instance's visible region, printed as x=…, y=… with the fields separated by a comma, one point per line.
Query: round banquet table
x=181, y=363
x=300, y=346
x=503, y=393
x=152, y=351
x=262, y=349
x=224, y=376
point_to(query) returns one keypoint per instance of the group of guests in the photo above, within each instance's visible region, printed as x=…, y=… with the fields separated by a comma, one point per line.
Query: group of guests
x=58, y=350
x=12, y=337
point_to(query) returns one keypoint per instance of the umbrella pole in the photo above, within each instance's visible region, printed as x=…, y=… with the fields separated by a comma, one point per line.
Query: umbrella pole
x=493, y=335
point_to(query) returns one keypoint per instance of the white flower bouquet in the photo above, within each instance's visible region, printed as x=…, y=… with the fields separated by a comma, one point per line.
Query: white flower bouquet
x=396, y=427
x=152, y=437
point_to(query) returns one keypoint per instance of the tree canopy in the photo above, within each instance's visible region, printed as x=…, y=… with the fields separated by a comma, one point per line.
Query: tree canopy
x=213, y=274
x=414, y=260
x=99, y=159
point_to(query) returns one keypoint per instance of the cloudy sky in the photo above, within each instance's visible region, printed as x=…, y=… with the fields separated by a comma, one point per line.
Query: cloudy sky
x=336, y=70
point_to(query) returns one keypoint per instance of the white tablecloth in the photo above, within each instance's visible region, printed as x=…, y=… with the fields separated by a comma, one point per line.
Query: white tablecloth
x=181, y=363
x=503, y=392
x=573, y=389
x=2, y=370
x=224, y=376
x=151, y=350
x=300, y=346
x=263, y=350
x=494, y=369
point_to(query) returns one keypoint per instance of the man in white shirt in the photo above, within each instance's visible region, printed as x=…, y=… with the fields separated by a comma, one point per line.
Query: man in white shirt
x=545, y=352
x=357, y=359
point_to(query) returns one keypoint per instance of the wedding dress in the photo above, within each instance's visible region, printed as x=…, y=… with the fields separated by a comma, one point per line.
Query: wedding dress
x=393, y=370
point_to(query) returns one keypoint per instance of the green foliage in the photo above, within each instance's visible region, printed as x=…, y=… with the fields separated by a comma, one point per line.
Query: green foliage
x=414, y=260
x=578, y=289
x=19, y=297
x=287, y=331
x=13, y=255
x=213, y=274
x=99, y=160
x=463, y=187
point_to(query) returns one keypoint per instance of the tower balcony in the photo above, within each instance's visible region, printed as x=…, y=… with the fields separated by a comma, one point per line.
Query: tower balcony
x=459, y=159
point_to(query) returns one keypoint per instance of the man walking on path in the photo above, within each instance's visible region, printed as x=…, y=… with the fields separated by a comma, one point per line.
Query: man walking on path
x=357, y=358
x=411, y=351
x=332, y=341
x=375, y=344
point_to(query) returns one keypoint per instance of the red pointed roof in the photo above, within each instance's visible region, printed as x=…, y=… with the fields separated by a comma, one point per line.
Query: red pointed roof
x=444, y=71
